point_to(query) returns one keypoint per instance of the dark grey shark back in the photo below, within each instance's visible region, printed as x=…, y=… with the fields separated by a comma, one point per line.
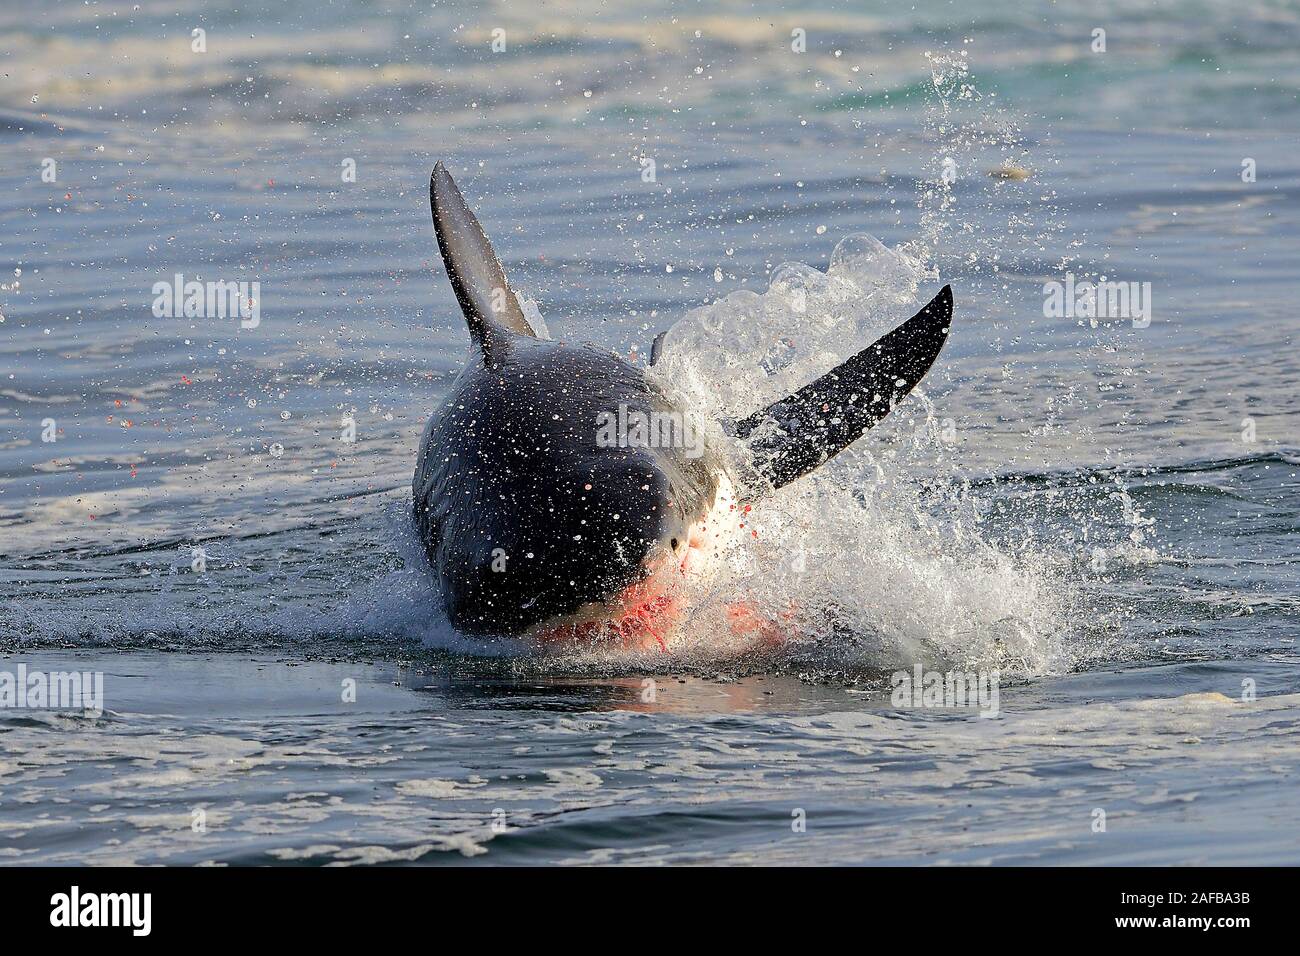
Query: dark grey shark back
x=524, y=516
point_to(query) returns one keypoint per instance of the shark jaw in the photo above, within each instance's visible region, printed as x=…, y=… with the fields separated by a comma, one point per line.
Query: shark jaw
x=647, y=616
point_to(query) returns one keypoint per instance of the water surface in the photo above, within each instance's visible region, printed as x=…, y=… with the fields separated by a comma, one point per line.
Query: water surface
x=1106, y=514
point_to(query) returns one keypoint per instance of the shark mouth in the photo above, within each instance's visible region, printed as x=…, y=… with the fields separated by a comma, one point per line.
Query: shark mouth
x=644, y=616
x=648, y=615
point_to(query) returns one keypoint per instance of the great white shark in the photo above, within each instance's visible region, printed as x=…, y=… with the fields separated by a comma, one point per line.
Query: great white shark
x=537, y=528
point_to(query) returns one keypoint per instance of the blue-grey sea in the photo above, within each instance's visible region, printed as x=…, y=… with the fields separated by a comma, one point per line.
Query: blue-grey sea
x=1102, y=509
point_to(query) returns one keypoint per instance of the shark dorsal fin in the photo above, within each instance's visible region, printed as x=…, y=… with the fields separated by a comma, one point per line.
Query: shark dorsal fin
x=491, y=309
x=827, y=415
x=657, y=347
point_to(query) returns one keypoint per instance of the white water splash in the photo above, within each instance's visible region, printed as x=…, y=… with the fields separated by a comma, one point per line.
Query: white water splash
x=876, y=560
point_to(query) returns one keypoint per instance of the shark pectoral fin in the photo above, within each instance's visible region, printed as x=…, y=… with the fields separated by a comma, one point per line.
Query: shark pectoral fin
x=826, y=416
x=490, y=308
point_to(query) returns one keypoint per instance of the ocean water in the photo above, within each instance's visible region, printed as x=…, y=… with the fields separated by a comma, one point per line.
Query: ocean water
x=1104, y=512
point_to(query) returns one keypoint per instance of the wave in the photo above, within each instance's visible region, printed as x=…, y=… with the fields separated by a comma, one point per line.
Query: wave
x=276, y=70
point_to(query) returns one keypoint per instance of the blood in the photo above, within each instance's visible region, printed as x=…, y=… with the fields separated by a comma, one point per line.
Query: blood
x=642, y=618
x=753, y=625
x=641, y=612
